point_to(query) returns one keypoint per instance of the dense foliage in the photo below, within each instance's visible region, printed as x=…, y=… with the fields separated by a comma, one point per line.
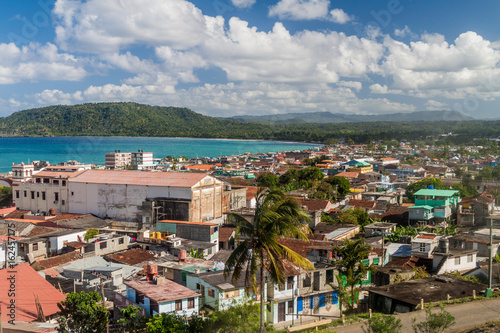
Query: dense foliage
x=5, y=196
x=80, y=312
x=238, y=318
x=132, y=119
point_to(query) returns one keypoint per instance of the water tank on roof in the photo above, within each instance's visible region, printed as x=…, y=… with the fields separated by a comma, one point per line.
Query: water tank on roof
x=430, y=187
x=182, y=255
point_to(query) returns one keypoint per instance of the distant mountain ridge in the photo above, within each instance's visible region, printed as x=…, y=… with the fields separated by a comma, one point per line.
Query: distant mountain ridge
x=139, y=120
x=329, y=117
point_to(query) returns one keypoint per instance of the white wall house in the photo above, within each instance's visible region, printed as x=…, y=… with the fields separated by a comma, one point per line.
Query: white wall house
x=58, y=240
x=455, y=260
x=121, y=195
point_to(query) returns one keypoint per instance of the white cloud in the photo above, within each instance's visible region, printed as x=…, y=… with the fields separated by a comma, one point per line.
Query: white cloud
x=339, y=16
x=356, y=85
x=433, y=63
x=243, y=3
x=36, y=62
x=379, y=89
x=103, y=26
x=53, y=97
x=433, y=105
x=300, y=9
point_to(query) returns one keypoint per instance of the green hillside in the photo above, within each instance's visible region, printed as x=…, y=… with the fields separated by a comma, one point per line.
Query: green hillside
x=118, y=119
x=132, y=119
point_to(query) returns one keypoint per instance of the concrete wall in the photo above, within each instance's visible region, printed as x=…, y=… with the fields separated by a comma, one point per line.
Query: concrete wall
x=57, y=242
x=38, y=203
x=451, y=265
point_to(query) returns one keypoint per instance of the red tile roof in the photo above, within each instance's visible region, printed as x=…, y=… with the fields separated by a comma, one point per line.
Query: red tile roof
x=66, y=216
x=426, y=236
x=17, y=214
x=57, y=260
x=347, y=174
x=314, y=205
x=28, y=284
x=5, y=211
x=225, y=234
x=123, y=177
x=362, y=203
x=188, y=222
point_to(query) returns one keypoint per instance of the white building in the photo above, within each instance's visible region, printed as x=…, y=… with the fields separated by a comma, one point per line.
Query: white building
x=45, y=191
x=118, y=160
x=146, y=196
x=141, y=160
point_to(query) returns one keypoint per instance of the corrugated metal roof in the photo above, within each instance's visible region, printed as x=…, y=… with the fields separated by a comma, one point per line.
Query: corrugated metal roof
x=168, y=291
x=439, y=193
x=28, y=284
x=123, y=177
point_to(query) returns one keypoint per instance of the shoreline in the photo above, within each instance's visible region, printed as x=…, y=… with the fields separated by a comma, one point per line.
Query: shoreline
x=168, y=137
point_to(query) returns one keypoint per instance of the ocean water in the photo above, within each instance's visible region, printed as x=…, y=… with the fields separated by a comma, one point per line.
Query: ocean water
x=93, y=149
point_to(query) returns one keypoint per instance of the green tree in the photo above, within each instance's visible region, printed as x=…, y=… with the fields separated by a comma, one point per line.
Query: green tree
x=351, y=266
x=267, y=180
x=5, y=196
x=434, y=323
x=131, y=319
x=196, y=253
x=81, y=313
x=91, y=233
x=341, y=185
x=422, y=184
x=276, y=215
x=465, y=190
x=383, y=324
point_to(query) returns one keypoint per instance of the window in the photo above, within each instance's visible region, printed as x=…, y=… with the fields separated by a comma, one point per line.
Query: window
x=183, y=276
x=17, y=194
x=55, y=182
x=197, y=286
x=35, y=247
x=56, y=196
x=139, y=297
x=191, y=303
x=63, y=202
x=289, y=283
x=328, y=298
x=211, y=292
x=290, y=307
x=38, y=194
x=64, y=184
x=43, y=195
x=46, y=181
x=154, y=307
x=422, y=247
x=32, y=194
x=307, y=281
x=329, y=276
x=178, y=305
x=202, y=290
x=103, y=245
x=457, y=261
x=306, y=303
x=120, y=241
x=25, y=194
x=470, y=257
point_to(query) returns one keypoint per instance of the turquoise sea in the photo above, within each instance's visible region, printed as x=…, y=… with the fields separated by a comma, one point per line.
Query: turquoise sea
x=92, y=149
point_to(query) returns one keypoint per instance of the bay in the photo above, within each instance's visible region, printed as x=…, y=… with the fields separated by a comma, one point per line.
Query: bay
x=93, y=149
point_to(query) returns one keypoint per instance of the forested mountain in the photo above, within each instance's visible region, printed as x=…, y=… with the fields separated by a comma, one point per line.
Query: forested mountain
x=329, y=117
x=132, y=119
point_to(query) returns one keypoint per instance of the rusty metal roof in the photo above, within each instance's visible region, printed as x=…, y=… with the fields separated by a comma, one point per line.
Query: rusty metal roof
x=165, y=292
x=124, y=177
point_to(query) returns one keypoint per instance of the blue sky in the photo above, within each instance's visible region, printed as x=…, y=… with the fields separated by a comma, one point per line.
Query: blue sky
x=235, y=57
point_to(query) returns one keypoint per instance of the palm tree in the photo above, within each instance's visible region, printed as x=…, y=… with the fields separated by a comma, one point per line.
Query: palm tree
x=276, y=216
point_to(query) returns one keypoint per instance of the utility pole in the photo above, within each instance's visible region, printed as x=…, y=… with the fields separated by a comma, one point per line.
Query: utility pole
x=488, y=292
x=103, y=299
